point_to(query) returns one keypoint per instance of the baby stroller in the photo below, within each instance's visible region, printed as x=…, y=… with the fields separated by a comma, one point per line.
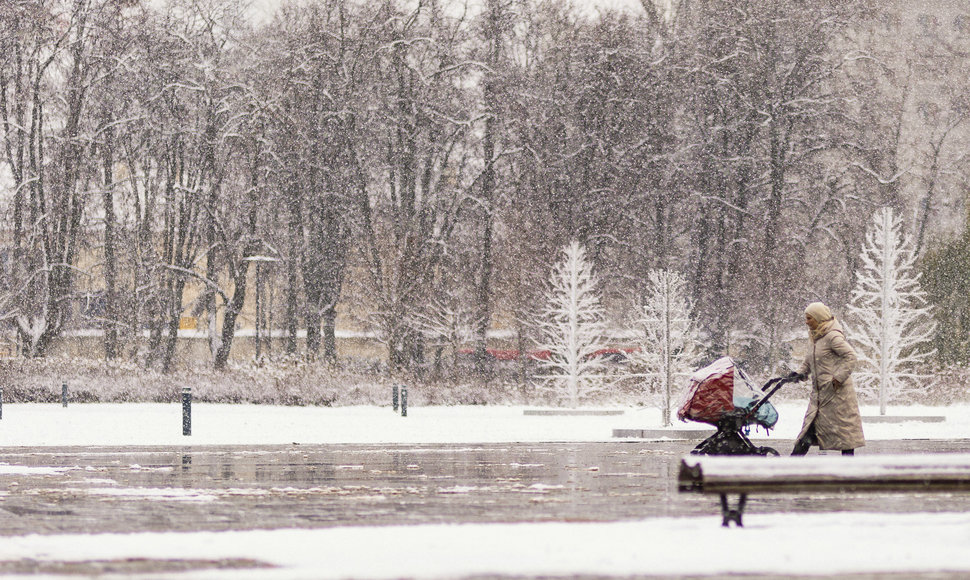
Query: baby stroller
x=722, y=395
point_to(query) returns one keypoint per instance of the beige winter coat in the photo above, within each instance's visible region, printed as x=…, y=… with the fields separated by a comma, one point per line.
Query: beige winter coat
x=835, y=410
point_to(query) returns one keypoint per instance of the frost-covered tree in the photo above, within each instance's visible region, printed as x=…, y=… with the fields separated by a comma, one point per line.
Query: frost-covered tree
x=668, y=344
x=893, y=323
x=571, y=327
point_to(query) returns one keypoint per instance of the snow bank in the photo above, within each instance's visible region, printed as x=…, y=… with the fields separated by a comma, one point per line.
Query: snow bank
x=812, y=544
x=43, y=424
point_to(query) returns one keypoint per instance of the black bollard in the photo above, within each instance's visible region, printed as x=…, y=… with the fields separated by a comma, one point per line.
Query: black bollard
x=186, y=410
x=394, y=397
x=64, y=394
x=404, y=401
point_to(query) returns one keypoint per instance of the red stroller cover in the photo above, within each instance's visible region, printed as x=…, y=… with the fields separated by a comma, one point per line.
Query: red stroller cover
x=710, y=394
x=722, y=387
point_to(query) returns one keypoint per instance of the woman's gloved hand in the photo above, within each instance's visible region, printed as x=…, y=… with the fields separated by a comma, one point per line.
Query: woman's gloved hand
x=795, y=376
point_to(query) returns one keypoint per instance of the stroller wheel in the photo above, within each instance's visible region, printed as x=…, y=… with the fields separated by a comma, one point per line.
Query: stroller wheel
x=768, y=451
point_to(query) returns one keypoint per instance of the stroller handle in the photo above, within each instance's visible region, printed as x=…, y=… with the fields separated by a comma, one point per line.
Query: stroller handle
x=774, y=385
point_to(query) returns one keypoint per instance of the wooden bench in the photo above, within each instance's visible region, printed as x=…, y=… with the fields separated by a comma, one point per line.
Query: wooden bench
x=742, y=475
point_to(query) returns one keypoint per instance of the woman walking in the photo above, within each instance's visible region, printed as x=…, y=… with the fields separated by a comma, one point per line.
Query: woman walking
x=832, y=420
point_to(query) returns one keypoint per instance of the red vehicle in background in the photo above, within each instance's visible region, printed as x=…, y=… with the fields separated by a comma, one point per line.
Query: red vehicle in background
x=501, y=354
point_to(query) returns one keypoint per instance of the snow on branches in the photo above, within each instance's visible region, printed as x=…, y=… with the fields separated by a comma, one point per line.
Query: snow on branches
x=571, y=327
x=892, y=320
x=668, y=345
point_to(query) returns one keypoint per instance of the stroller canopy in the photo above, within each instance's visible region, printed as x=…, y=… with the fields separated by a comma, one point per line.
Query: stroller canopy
x=721, y=387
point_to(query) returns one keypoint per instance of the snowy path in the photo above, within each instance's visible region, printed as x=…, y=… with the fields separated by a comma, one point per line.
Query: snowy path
x=818, y=544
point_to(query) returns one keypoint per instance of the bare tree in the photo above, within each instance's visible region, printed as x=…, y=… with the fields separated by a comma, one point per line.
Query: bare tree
x=197, y=106
x=47, y=75
x=414, y=202
x=496, y=23
x=767, y=111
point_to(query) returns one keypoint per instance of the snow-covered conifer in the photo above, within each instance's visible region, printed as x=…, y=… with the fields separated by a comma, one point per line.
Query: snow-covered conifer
x=892, y=321
x=571, y=327
x=668, y=345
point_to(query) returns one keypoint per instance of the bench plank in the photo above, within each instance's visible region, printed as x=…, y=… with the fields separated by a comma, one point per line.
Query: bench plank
x=945, y=472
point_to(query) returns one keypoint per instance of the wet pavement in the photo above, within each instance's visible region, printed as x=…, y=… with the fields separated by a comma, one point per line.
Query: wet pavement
x=90, y=490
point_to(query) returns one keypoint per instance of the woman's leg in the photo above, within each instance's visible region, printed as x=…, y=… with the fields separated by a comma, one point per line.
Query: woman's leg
x=806, y=441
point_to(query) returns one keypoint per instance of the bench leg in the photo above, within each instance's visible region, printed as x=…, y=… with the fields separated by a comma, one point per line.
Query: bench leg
x=728, y=515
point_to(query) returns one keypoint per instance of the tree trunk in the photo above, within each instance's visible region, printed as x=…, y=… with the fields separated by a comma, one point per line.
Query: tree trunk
x=295, y=232
x=233, y=308
x=111, y=317
x=174, y=316
x=313, y=320
x=484, y=316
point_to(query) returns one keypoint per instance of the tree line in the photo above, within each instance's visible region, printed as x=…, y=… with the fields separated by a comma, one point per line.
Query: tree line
x=417, y=164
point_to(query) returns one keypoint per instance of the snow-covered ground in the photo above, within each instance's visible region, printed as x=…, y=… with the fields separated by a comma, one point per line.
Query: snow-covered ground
x=33, y=424
x=814, y=544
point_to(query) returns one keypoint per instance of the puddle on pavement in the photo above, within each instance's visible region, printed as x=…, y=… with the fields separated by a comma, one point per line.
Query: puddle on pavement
x=75, y=490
